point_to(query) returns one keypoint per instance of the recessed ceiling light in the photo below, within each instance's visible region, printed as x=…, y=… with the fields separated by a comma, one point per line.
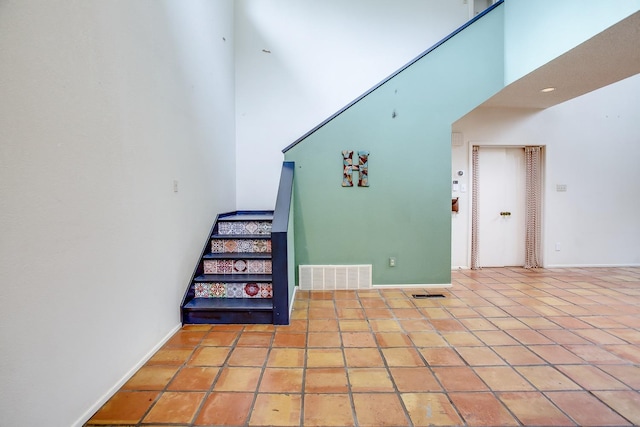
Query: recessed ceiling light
x=548, y=89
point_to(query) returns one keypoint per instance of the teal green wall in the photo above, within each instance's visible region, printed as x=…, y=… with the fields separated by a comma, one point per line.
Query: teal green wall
x=406, y=211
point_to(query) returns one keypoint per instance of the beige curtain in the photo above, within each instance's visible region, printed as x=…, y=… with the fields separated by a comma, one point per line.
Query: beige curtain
x=474, y=209
x=533, y=158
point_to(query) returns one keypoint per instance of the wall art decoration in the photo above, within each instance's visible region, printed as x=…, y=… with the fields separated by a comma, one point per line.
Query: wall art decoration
x=363, y=166
x=348, y=168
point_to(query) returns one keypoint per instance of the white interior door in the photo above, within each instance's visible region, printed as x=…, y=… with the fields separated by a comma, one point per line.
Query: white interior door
x=501, y=206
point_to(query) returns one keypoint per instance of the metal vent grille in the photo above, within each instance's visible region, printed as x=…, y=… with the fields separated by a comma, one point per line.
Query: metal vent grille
x=331, y=277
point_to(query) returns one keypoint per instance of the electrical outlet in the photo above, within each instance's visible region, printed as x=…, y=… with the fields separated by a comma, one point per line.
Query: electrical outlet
x=392, y=262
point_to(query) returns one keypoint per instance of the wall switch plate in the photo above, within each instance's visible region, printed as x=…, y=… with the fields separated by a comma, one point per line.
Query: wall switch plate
x=175, y=186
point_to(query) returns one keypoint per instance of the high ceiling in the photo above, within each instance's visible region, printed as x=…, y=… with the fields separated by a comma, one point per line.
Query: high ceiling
x=608, y=57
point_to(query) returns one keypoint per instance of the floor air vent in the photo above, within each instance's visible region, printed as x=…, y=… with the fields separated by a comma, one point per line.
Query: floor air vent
x=421, y=296
x=331, y=277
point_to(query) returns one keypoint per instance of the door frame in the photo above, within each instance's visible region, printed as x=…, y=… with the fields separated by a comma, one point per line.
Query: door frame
x=543, y=161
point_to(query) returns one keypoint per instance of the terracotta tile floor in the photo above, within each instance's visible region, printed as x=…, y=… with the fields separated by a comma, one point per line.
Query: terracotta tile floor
x=503, y=347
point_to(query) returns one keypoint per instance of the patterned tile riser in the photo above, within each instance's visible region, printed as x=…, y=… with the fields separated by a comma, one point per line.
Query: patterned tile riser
x=233, y=290
x=240, y=245
x=244, y=227
x=239, y=266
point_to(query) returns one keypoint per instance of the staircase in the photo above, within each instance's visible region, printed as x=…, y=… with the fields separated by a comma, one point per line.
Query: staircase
x=233, y=280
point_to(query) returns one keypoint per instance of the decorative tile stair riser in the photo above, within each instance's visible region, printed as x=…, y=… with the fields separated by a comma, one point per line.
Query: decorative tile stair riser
x=238, y=266
x=233, y=290
x=238, y=228
x=233, y=283
x=219, y=246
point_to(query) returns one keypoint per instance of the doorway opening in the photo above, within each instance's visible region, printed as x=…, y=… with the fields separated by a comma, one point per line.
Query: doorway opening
x=506, y=206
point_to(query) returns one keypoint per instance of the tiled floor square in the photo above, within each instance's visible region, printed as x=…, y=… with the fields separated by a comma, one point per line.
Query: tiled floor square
x=220, y=338
x=325, y=357
x=124, y=408
x=402, y=356
x=533, y=408
x=369, y=380
x=556, y=354
x=459, y=378
x=282, y=380
x=151, y=378
x=174, y=407
x=287, y=357
x=170, y=356
x=393, y=339
x=415, y=380
x=209, y=356
x=482, y=409
x=248, y=356
x=591, y=378
x=442, y=356
x=379, y=409
x=431, y=409
x=290, y=339
x=225, y=409
x=480, y=356
x=194, y=379
x=324, y=339
x=547, y=378
x=238, y=379
x=326, y=380
x=358, y=339
x=363, y=357
x=255, y=339
x=277, y=410
x=503, y=378
x=328, y=410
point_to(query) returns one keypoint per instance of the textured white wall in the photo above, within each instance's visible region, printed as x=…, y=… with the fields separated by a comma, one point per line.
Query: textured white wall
x=323, y=55
x=102, y=106
x=592, y=147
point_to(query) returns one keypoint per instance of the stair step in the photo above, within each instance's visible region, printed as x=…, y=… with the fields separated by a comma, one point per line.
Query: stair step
x=233, y=278
x=247, y=217
x=229, y=304
x=226, y=311
x=238, y=255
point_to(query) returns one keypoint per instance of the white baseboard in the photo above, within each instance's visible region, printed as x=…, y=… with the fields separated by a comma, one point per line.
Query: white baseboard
x=293, y=298
x=415, y=285
x=590, y=265
x=105, y=397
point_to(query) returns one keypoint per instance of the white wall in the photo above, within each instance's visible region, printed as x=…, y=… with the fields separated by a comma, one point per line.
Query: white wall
x=592, y=146
x=323, y=55
x=102, y=106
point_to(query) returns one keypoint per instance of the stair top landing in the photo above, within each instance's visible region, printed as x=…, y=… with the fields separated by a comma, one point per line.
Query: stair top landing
x=247, y=217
